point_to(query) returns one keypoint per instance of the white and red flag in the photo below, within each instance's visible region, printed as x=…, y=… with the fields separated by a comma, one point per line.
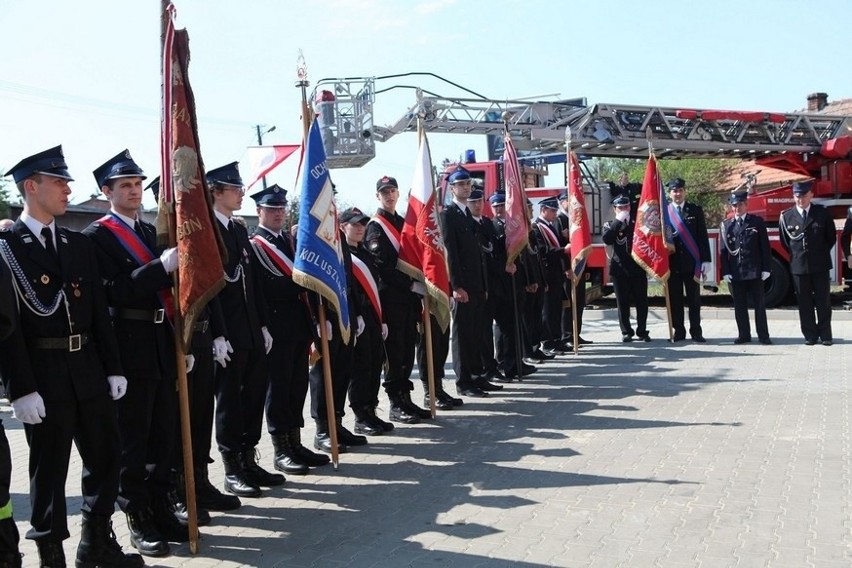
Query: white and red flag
x=263, y=159
x=421, y=251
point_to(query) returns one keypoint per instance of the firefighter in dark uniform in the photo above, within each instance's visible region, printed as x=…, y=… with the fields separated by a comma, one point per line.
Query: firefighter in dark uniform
x=683, y=262
x=493, y=274
x=808, y=234
x=553, y=252
x=532, y=271
x=500, y=287
x=563, y=232
x=845, y=241
x=9, y=537
x=62, y=368
x=291, y=326
x=365, y=376
x=241, y=386
x=137, y=278
x=745, y=256
x=401, y=304
x=628, y=278
x=202, y=395
x=341, y=359
x=468, y=282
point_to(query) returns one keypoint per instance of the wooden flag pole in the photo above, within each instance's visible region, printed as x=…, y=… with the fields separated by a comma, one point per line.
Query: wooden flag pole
x=668, y=309
x=331, y=417
x=430, y=363
x=575, y=323
x=180, y=351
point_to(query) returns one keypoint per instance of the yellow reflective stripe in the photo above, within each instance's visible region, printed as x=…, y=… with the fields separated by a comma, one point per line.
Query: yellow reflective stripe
x=6, y=511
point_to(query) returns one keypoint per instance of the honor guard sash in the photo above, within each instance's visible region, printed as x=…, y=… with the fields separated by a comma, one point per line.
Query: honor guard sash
x=390, y=231
x=282, y=263
x=368, y=284
x=548, y=233
x=687, y=238
x=138, y=249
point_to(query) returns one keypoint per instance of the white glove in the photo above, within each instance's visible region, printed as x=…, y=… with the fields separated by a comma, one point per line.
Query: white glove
x=190, y=362
x=29, y=409
x=221, y=348
x=705, y=269
x=418, y=288
x=764, y=275
x=727, y=278
x=169, y=258
x=849, y=261
x=384, y=331
x=623, y=215
x=327, y=330
x=360, y=329
x=267, y=339
x=117, y=386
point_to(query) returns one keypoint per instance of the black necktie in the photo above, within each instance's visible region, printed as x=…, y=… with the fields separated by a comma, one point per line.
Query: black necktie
x=469, y=214
x=137, y=228
x=47, y=235
x=805, y=215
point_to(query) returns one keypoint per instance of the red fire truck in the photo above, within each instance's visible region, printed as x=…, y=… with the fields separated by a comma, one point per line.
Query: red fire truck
x=807, y=144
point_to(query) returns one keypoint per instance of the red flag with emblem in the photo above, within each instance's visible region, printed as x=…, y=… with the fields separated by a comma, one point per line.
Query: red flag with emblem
x=185, y=209
x=579, y=230
x=517, y=220
x=651, y=238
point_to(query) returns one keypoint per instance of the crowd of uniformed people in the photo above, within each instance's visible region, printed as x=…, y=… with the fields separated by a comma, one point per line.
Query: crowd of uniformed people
x=87, y=353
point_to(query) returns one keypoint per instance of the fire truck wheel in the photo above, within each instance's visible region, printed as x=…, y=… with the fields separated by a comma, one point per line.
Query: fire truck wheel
x=777, y=288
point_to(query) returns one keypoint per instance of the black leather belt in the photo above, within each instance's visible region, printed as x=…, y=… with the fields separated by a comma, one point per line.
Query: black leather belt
x=201, y=326
x=71, y=343
x=154, y=316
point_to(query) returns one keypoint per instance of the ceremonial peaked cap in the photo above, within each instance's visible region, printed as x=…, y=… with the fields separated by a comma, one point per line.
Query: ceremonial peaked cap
x=227, y=175
x=119, y=166
x=272, y=196
x=50, y=162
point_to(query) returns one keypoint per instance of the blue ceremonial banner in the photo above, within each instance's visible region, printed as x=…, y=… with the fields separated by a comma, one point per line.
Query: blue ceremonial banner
x=319, y=257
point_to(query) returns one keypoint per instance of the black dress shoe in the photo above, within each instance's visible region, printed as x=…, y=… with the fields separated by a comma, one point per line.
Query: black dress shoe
x=439, y=404
x=541, y=355
x=827, y=342
x=369, y=426
x=399, y=413
x=527, y=369
x=166, y=520
x=766, y=341
x=322, y=442
x=678, y=337
x=499, y=377
x=210, y=498
x=585, y=341
x=472, y=391
x=144, y=536
x=810, y=341
x=699, y=339
x=646, y=337
x=741, y=340
x=444, y=396
x=626, y=338
x=256, y=475
x=484, y=385
x=347, y=438
x=533, y=361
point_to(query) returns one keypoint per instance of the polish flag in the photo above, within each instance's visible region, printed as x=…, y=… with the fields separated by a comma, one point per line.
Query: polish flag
x=264, y=159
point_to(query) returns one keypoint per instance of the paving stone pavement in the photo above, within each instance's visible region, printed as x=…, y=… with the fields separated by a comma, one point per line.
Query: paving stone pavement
x=628, y=455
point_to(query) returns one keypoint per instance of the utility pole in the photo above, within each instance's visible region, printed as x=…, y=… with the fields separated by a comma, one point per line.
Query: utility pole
x=260, y=134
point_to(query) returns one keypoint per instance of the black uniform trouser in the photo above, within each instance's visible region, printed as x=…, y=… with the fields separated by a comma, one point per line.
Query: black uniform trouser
x=287, y=364
x=91, y=426
x=533, y=302
x=681, y=284
x=202, y=395
x=440, y=351
x=240, y=397
x=9, y=536
x=401, y=319
x=631, y=290
x=551, y=314
x=742, y=291
x=568, y=313
x=147, y=424
x=366, y=370
x=340, y=358
x=466, y=337
x=489, y=362
x=813, y=291
x=504, y=335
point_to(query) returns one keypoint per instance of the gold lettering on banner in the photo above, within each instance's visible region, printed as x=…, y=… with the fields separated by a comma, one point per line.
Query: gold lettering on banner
x=188, y=227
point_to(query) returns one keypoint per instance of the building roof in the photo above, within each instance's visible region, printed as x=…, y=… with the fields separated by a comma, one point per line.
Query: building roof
x=770, y=178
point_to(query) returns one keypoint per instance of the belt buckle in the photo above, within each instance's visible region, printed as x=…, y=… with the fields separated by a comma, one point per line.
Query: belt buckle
x=75, y=342
x=159, y=315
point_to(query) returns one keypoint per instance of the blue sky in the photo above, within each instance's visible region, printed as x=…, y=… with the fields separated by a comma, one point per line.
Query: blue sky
x=86, y=74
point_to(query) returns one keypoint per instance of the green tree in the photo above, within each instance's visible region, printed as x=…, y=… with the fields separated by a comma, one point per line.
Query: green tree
x=4, y=197
x=703, y=178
